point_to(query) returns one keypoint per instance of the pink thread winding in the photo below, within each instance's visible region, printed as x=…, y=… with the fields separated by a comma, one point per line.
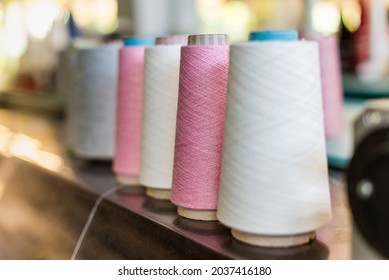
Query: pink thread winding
x=332, y=88
x=129, y=111
x=200, y=125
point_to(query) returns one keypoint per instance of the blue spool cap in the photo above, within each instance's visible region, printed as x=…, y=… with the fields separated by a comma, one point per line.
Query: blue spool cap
x=274, y=35
x=135, y=41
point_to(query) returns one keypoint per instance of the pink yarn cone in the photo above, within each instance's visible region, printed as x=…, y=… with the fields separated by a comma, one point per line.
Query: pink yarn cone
x=129, y=111
x=331, y=79
x=200, y=126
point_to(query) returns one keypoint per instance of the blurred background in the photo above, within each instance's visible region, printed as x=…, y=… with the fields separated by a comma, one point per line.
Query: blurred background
x=34, y=32
x=35, y=35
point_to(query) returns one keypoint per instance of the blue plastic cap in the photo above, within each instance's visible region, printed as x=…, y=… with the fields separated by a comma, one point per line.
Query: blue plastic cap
x=274, y=35
x=135, y=41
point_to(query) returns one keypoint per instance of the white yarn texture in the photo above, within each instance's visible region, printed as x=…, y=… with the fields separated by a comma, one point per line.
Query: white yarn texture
x=162, y=68
x=274, y=178
x=97, y=102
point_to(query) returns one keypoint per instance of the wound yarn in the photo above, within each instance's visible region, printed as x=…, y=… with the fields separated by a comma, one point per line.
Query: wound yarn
x=161, y=79
x=331, y=80
x=96, y=102
x=126, y=162
x=274, y=177
x=200, y=121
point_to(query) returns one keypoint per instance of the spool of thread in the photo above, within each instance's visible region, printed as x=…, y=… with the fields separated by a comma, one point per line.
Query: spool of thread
x=331, y=81
x=97, y=102
x=274, y=188
x=126, y=163
x=360, y=38
x=331, y=74
x=200, y=121
x=376, y=67
x=161, y=78
x=67, y=89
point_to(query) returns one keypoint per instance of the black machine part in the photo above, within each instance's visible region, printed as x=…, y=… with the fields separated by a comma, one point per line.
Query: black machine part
x=368, y=188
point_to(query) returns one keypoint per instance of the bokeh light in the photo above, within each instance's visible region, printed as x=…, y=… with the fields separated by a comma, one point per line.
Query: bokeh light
x=351, y=15
x=326, y=17
x=99, y=16
x=16, y=39
x=40, y=18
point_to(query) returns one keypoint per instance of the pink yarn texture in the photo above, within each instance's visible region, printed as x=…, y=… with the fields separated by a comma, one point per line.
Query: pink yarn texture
x=129, y=111
x=200, y=125
x=331, y=80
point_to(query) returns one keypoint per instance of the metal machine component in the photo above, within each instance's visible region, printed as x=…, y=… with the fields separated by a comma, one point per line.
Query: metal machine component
x=368, y=183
